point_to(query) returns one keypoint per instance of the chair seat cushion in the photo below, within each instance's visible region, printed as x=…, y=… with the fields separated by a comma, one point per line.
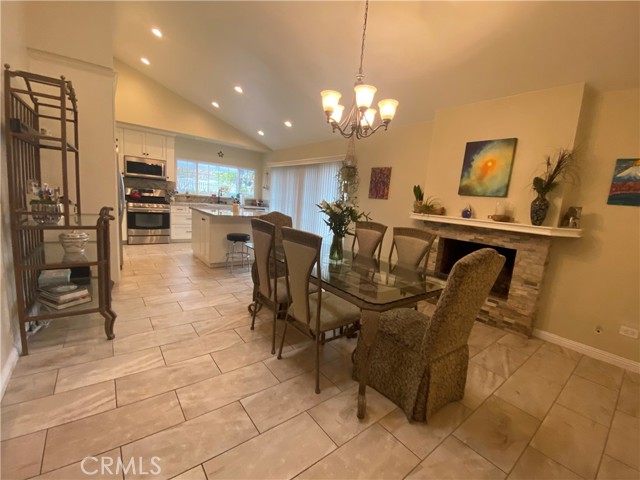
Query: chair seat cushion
x=406, y=326
x=335, y=312
x=238, y=237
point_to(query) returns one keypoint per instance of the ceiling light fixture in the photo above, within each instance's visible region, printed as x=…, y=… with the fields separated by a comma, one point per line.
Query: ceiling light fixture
x=261, y=133
x=145, y=61
x=238, y=89
x=215, y=104
x=360, y=119
x=156, y=31
x=288, y=124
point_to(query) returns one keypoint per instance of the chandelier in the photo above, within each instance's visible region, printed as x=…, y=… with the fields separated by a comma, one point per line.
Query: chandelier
x=360, y=121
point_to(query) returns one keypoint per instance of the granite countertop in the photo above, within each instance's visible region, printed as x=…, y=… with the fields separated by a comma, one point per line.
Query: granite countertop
x=215, y=212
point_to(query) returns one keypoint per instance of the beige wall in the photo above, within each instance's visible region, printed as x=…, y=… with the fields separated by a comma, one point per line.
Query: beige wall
x=141, y=101
x=193, y=149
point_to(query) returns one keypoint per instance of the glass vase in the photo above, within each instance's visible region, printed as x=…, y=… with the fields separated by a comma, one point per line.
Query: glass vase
x=539, y=209
x=46, y=213
x=336, y=251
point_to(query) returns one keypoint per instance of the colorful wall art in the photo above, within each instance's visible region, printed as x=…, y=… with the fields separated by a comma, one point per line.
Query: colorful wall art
x=379, y=185
x=486, y=169
x=625, y=186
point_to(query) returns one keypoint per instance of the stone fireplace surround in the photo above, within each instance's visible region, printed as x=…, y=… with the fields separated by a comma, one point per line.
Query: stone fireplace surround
x=517, y=312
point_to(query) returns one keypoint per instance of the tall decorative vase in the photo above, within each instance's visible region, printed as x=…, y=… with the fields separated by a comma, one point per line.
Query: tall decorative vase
x=539, y=209
x=336, y=249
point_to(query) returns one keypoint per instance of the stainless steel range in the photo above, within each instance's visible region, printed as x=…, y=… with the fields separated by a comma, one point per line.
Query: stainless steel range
x=148, y=216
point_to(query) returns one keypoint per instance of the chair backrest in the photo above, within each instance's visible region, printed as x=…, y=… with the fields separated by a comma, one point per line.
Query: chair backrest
x=264, y=234
x=301, y=254
x=468, y=285
x=369, y=236
x=412, y=246
x=279, y=220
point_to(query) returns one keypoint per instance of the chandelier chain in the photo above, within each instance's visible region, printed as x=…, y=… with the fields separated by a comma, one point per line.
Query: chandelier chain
x=364, y=34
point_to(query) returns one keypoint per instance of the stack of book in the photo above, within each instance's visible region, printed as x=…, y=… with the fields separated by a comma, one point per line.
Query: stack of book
x=64, y=296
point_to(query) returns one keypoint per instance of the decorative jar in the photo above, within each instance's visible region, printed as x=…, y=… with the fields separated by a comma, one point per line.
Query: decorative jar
x=46, y=213
x=74, y=242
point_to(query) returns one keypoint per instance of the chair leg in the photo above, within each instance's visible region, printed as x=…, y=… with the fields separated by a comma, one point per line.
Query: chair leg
x=318, y=362
x=253, y=319
x=273, y=332
x=284, y=333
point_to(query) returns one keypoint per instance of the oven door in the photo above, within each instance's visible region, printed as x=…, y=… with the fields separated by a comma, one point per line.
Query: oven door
x=148, y=226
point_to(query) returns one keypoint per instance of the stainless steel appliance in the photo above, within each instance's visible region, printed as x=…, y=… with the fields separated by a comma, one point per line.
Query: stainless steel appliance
x=145, y=168
x=148, y=216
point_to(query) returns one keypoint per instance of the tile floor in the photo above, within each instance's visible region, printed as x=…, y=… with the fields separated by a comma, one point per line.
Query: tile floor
x=187, y=381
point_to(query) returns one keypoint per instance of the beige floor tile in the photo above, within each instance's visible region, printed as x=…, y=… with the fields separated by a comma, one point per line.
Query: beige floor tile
x=498, y=431
x=285, y=451
x=572, y=440
x=149, y=383
x=345, y=346
x=27, y=417
x=632, y=376
x=361, y=458
x=337, y=416
x=47, y=339
x=500, y=359
x=562, y=351
x=244, y=354
x=100, y=467
x=600, y=372
x=21, y=457
x=94, y=335
x=454, y=460
x=149, y=311
x=182, y=318
x=281, y=402
x=550, y=365
x=73, y=441
x=154, y=338
x=219, y=324
x=207, y=302
x=422, y=438
x=612, y=469
x=528, y=346
x=590, y=399
x=21, y=389
x=529, y=392
x=231, y=308
x=339, y=372
x=481, y=383
x=483, y=335
x=196, y=473
x=230, y=387
x=624, y=440
x=41, y=362
x=159, y=299
x=70, y=378
x=135, y=291
x=195, y=347
x=299, y=361
x=533, y=465
x=629, y=400
x=200, y=439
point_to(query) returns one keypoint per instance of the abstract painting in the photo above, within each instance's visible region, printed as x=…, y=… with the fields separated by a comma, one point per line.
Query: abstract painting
x=379, y=185
x=625, y=186
x=486, y=169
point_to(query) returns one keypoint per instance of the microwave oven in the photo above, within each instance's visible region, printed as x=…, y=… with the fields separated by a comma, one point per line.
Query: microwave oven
x=145, y=168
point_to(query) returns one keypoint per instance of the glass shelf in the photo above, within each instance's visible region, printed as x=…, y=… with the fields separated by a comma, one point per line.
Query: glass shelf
x=51, y=255
x=44, y=141
x=47, y=312
x=76, y=222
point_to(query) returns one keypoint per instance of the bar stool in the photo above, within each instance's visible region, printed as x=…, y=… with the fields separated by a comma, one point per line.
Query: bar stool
x=232, y=254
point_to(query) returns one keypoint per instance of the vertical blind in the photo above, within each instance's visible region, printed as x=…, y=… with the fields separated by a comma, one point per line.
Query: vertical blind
x=296, y=190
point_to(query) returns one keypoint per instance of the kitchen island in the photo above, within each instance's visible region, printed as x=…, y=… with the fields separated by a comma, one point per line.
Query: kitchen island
x=210, y=226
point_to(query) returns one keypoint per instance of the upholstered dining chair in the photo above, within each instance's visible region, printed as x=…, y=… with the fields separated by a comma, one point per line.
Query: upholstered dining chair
x=313, y=313
x=369, y=237
x=412, y=246
x=420, y=362
x=269, y=289
x=279, y=220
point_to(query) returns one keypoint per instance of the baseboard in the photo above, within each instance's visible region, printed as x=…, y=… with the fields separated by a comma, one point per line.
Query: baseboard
x=588, y=350
x=7, y=369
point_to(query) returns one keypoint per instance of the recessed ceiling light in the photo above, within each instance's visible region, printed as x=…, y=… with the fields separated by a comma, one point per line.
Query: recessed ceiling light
x=145, y=61
x=261, y=133
x=215, y=104
x=156, y=31
x=238, y=89
x=288, y=124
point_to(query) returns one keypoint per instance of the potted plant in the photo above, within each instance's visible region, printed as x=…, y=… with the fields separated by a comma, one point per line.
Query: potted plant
x=555, y=172
x=432, y=206
x=419, y=194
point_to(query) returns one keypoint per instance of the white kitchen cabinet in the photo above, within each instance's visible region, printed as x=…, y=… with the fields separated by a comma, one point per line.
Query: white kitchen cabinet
x=200, y=237
x=181, y=224
x=144, y=144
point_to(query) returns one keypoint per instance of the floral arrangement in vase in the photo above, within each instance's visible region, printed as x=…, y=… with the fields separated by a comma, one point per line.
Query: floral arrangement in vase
x=45, y=203
x=556, y=171
x=339, y=217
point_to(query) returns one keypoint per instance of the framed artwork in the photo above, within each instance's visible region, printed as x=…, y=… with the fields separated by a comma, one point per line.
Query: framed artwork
x=379, y=185
x=625, y=185
x=486, y=169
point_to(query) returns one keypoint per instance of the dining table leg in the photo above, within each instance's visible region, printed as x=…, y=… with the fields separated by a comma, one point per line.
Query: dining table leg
x=369, y=330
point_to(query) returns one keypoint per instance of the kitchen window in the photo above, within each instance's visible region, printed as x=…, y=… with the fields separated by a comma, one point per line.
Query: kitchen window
x=203, y=178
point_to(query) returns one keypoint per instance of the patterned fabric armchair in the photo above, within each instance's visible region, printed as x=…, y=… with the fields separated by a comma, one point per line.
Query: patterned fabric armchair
x=420, y=362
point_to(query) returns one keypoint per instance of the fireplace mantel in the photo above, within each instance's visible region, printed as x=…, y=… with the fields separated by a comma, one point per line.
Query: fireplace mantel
x=505, y=226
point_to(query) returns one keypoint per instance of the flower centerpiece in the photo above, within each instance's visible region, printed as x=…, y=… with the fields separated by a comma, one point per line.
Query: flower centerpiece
x=339, y=217
x=554, y=173
x=45, y=203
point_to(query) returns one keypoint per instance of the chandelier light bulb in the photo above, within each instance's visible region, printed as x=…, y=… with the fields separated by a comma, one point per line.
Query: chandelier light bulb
x=336, y=116
x=330, y=99
x=364, y=95
x=387, y=108
x=368, y=118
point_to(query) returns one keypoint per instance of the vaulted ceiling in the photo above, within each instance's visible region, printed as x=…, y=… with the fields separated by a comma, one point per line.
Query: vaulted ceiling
x=428, y=55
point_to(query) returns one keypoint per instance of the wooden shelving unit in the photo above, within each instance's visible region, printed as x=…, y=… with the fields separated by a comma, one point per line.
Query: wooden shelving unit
x=30, y=100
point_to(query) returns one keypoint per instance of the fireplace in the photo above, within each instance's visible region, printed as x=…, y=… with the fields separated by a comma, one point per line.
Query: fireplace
x=451, y=250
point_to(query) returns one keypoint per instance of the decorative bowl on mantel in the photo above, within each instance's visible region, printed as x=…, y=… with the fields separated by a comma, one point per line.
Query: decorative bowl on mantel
x=74, y=242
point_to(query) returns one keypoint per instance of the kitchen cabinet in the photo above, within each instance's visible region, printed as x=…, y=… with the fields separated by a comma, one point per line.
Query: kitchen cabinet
x=200, y=235
x=144, y=144
x=181, y=227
